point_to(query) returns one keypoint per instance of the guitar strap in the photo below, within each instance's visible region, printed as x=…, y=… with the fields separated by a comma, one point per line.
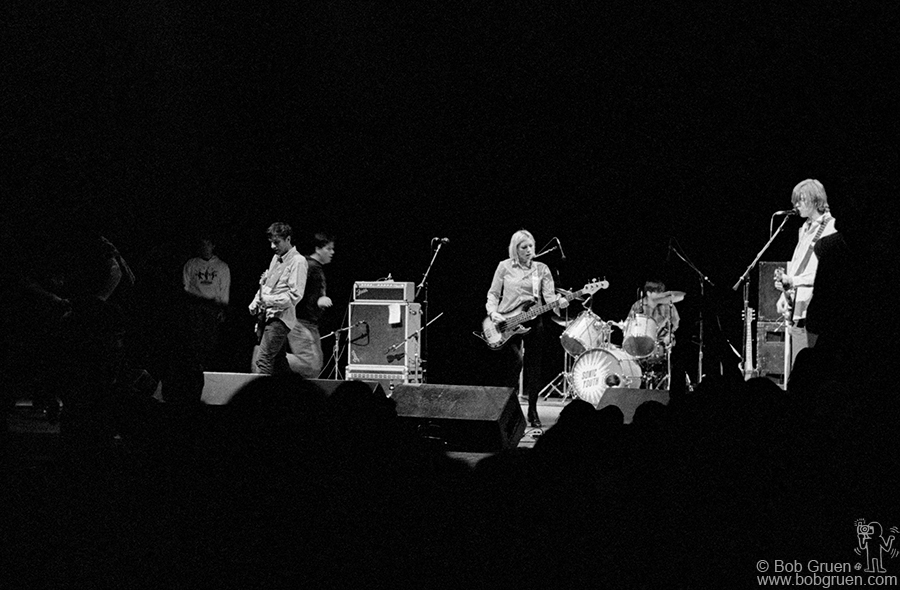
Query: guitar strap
x=825, y=221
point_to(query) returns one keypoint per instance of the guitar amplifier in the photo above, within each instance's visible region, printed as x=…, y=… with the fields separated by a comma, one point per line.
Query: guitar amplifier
x=383, y=291
x=770, y=350
x=384, y=334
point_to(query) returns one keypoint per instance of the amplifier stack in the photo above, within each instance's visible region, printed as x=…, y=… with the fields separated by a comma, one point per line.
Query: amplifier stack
x=384, y=337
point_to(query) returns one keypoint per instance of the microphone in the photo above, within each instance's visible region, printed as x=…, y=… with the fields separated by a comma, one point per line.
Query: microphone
x=441, y=240
x=787, y=212
x=562, y=256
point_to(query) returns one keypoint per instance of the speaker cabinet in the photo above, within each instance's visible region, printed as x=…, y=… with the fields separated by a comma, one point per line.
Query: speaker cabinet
x=770, y=350
x=768, y=294
x=462, y=417
x=628, y=400
x=387, y=338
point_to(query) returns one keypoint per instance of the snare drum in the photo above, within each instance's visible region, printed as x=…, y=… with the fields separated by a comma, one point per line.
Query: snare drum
x=587, y=331
x=597, y=370
x=640, y=336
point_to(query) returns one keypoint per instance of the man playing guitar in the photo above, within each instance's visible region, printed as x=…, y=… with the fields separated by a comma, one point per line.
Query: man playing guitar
x=281, y=288
x=796, y=283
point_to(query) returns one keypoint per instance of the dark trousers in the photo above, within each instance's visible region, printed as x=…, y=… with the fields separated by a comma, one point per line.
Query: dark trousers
x=272, y=356
x=524, y=352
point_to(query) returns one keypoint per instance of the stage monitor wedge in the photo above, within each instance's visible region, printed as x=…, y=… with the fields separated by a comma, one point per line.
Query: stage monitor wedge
x=462, y=417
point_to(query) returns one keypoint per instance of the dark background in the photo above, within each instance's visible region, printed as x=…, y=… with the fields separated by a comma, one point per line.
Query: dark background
x=614, y=129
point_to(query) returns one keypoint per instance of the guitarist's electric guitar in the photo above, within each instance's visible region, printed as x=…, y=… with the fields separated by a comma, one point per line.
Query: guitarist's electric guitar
x=496, y=334
x=789, y=295
x=263, y=314
x=747, y=366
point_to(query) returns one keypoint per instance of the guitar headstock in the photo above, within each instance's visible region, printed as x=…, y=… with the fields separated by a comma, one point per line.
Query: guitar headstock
x=748, y=315
x=594, y=286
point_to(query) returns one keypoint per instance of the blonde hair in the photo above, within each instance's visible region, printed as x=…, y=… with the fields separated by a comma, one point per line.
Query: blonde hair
x=811, y=191
x=516, y=239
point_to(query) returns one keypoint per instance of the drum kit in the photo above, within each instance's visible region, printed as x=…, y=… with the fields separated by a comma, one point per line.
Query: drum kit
x=643, y=360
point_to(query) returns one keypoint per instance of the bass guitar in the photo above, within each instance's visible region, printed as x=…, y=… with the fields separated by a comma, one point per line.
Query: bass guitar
x=747, y=366
x=496, y=334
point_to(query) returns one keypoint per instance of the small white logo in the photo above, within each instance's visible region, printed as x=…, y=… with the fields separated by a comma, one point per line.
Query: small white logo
x=872, y=545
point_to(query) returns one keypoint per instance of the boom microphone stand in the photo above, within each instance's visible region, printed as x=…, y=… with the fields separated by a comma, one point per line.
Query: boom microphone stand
x=423, y=342
x=746, y=276
x=703, y=279
x=335, y=350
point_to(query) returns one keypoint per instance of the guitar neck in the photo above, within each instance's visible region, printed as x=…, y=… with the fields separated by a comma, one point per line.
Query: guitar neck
x=536, y=311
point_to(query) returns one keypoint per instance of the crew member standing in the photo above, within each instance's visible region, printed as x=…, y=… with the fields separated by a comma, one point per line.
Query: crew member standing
x=304, y=339
x=207, y=281
x=281, y=289
x=519, y=283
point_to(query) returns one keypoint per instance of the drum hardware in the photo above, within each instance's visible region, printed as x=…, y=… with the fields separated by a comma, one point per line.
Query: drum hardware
x=639, y=339
x=560, y=383
x=666, y=296
x=585, y=332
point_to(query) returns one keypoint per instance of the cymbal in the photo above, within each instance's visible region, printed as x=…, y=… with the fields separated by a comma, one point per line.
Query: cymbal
x=667, y=296
x=561, y=321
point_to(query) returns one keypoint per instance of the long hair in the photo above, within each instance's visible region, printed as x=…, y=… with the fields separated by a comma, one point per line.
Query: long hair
x=516, y=239
x=812, y=191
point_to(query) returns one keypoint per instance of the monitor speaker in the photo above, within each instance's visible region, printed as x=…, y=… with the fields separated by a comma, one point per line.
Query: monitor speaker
x=462, y=417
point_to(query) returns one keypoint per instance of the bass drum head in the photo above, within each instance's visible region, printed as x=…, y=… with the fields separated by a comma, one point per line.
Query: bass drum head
x=596, y=370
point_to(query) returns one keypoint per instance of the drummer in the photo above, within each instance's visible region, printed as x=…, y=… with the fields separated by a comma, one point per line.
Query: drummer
x=658, y=305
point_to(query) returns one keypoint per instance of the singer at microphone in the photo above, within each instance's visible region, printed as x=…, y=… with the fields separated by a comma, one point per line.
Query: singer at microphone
x=797, y=280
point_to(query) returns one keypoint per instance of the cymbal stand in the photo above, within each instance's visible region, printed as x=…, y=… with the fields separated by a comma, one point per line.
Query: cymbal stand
x=560, y=383
x=703, y=279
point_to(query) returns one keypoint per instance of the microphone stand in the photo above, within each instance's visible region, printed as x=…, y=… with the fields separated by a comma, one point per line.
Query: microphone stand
x=703, y=279
x=746, y=276
x=418, y=334
x=545, y=252
x=423, y=345
x=335, y=350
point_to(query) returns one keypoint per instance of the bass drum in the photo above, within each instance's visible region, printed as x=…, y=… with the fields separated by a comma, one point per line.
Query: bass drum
x=597, y=370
